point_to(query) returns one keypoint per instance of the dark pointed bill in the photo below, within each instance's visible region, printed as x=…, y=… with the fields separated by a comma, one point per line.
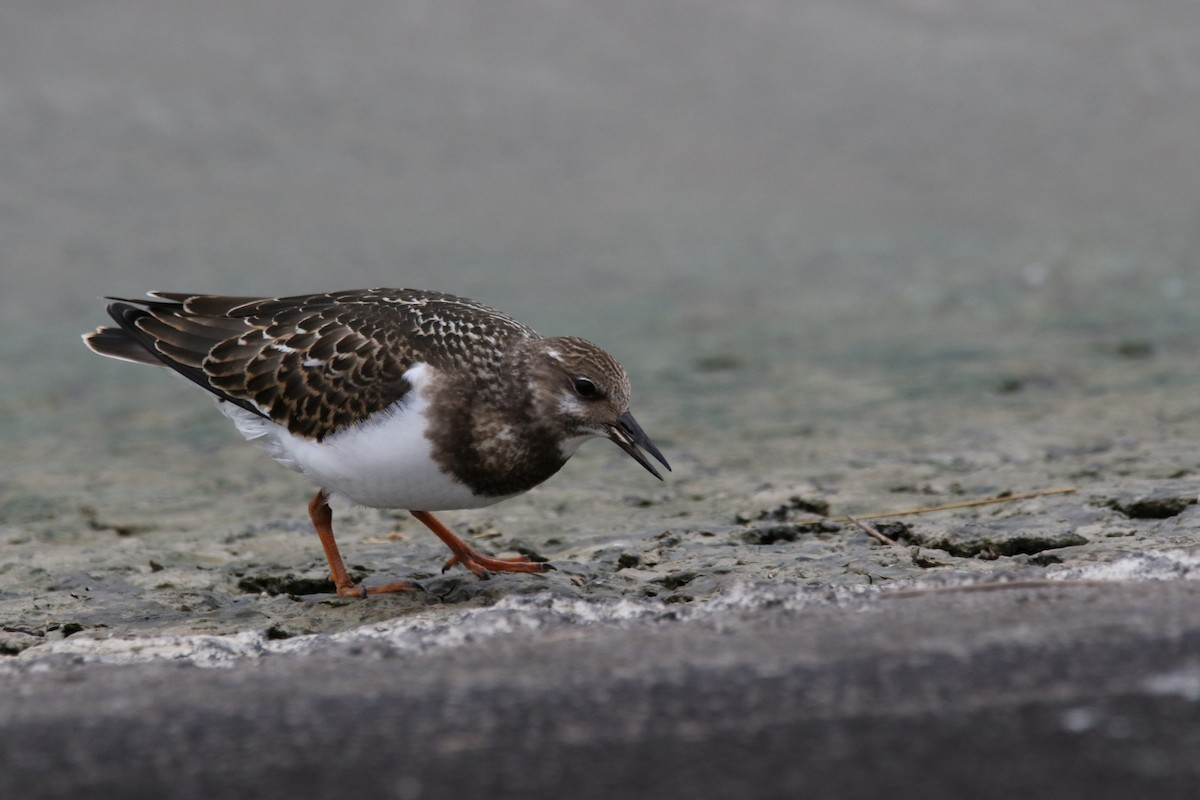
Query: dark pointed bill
x=630, y=437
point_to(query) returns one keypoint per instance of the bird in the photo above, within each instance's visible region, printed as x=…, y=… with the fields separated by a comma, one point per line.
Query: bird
x=389, y=398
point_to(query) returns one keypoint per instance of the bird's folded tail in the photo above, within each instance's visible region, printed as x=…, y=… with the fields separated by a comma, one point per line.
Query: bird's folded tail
x=117, y=343
x=159, y=346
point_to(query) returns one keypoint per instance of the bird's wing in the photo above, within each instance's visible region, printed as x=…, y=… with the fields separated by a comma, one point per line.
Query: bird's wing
x=313, y=363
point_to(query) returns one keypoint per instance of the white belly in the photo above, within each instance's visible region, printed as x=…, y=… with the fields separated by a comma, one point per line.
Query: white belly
x=385, y=462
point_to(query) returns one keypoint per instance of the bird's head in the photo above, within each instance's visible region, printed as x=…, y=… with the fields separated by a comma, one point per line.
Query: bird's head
x=586, y=392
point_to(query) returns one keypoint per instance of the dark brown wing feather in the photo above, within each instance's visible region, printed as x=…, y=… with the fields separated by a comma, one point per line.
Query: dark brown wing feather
x=314, y=363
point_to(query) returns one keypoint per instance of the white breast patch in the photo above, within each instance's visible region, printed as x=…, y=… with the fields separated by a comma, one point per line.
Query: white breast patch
x=385, y=462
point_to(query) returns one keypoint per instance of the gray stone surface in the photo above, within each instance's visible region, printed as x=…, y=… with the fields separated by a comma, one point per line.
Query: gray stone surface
x=1071, y=690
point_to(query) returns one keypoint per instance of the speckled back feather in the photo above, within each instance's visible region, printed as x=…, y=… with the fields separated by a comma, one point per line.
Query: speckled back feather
x=313, y=363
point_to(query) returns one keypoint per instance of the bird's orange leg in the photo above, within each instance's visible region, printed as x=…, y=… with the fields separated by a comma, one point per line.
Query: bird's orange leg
x=322, y=519
x=471, y=558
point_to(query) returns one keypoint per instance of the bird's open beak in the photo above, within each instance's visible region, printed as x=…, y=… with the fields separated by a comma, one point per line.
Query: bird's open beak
x=630, y=437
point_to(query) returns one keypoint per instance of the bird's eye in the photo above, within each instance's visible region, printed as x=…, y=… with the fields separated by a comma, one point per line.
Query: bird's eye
x=586, y=389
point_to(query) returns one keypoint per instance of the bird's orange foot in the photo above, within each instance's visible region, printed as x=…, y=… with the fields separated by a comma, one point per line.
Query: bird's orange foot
x=472, y=559
x=484, y=566
x=359, y=590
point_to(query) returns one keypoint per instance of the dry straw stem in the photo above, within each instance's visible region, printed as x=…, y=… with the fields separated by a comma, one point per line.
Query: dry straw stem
x=1007, y=497
x=983, y=501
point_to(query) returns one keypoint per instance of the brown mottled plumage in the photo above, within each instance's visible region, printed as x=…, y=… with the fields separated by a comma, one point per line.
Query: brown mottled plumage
x=314, y=363
x=391, y=397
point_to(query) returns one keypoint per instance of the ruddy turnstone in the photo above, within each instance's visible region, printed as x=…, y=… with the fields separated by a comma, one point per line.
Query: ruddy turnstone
x=391, y=398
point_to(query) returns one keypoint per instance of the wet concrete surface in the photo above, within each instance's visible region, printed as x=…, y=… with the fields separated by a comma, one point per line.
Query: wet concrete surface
x=857, y=257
